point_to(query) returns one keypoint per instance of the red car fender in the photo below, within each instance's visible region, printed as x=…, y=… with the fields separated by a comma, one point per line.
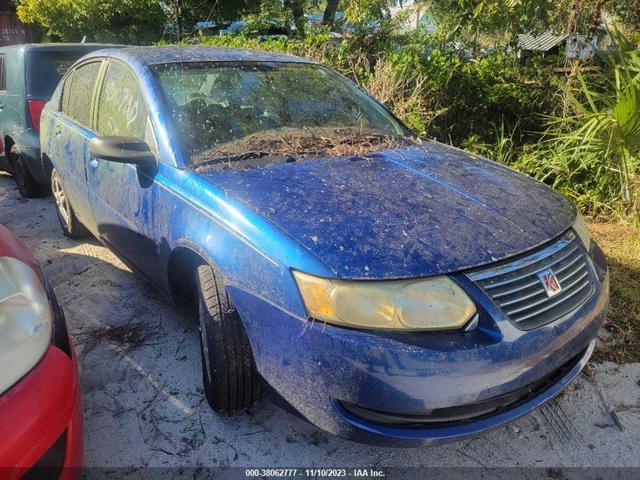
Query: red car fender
x=37, y=410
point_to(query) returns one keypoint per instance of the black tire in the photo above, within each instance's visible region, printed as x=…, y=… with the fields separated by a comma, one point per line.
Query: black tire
x=71, y=226
x=27, y=185
x=231, y=380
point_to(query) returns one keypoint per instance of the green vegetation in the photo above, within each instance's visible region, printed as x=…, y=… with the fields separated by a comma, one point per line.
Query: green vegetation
x=592, y=153
x=126, y=21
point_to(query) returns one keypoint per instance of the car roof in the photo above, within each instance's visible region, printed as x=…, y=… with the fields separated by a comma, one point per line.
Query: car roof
x=154, y=55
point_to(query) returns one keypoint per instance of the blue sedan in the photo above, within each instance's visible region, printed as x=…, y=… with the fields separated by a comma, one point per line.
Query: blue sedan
x=388, y=289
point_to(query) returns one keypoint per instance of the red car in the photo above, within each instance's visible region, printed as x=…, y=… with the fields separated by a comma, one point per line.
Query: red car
x=40, y=402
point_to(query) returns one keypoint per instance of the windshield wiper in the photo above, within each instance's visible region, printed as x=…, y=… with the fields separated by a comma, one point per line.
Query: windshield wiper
x=244, y=158
x=230, y=158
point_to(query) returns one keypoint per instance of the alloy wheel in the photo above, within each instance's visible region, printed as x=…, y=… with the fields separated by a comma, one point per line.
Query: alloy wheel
x=59, y=197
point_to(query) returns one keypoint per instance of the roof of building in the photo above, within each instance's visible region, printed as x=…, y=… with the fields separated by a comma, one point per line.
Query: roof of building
x=543, y=42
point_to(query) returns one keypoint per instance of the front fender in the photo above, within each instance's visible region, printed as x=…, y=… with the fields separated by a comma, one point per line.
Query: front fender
x=251, y=253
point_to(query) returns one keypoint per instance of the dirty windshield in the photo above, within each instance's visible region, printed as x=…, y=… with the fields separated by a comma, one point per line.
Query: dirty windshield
x=234, y=112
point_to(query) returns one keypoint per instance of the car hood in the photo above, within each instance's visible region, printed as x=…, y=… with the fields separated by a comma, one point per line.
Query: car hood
x=403, y=213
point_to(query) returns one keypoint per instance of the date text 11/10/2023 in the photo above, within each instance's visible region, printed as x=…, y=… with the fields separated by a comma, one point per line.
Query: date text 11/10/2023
x=315, y=472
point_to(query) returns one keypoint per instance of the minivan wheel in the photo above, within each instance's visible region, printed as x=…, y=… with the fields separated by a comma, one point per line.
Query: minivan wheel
x=71, y=226
x=231, y=380
x=27, y=186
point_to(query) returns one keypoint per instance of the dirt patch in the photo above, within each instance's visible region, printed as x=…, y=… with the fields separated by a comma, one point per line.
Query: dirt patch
x=125, y=337
x=621, y=244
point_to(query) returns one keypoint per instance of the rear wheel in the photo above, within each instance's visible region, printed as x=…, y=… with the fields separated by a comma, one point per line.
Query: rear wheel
x=71, y=226
x=27, y=186
x=231, y=380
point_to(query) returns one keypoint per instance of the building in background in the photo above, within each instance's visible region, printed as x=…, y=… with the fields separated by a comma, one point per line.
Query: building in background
x=419, y=15
x=582, y=47
x=13, y=31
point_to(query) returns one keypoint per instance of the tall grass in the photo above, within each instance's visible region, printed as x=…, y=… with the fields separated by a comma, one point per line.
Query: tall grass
x=503, y=149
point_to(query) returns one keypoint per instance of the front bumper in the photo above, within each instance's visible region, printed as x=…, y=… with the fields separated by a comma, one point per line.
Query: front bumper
x=41, y=416
x=319, y=369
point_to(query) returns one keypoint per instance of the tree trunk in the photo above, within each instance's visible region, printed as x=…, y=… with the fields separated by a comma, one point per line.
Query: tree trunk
x=297, y=11
x=329, y=16
x=178, y=19
x=597, y=16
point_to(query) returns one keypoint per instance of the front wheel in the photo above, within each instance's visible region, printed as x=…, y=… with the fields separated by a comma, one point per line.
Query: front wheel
x=71, y=226
x=231, y=380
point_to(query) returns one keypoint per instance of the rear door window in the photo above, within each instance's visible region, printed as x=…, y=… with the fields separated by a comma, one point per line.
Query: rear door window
x=66, y=94
x=46, y=68
x=121, y=106
x=78, y=93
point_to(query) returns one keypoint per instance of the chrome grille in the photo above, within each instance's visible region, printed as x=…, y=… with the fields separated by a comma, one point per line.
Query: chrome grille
x=516, y=288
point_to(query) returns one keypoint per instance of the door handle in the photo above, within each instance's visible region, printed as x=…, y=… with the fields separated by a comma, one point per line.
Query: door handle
x=93, y=163
x=1, y=107
x=58, y=132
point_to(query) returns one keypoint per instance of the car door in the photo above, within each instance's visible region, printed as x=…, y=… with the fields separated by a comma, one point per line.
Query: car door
x=121, y=194
x=72, y=131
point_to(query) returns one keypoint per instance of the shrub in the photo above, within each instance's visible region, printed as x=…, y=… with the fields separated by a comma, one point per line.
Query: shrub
x=592, y=154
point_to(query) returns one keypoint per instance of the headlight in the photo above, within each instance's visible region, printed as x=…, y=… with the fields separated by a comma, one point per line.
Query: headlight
x=580, y=227
x=428, y=304
x=25, y=320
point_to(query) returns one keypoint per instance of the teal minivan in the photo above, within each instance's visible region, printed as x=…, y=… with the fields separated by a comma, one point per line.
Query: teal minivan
x=28, y=75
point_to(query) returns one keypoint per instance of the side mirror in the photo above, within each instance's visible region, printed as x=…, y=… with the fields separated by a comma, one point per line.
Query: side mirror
x=122, y=150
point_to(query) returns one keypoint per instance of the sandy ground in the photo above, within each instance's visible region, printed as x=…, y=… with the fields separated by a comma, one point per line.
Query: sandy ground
x=144, y=404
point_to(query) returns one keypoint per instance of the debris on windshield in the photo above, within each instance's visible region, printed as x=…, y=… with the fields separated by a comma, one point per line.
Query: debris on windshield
x=291, y=145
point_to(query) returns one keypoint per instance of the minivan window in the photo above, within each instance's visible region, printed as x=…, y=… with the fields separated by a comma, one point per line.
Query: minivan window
x=77, y=104
x=121, y=108
x=46, y=68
